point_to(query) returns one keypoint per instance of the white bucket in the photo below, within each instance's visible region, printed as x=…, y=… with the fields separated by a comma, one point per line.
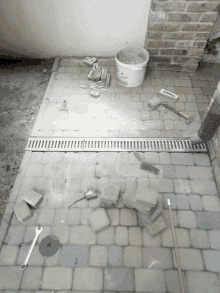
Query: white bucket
x=131, y=65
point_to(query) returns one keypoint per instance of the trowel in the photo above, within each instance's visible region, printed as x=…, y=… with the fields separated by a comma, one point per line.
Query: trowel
x=145, y=166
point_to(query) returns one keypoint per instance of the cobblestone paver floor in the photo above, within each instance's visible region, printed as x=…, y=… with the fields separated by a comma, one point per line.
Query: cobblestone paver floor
x=124, y=257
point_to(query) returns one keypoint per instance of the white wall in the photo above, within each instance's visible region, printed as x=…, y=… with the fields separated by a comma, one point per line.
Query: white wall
x=48, y=28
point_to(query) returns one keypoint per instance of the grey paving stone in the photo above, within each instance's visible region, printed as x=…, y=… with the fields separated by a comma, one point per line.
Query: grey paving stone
x=61, y=216
x=166, y=215
x=151, y=240
x=36, y=258
x=153, y=280
x=99, y=256
x=211, y=203
x=85, y=214
x=132, y=257
x=199, y=238
x=46, y=216
x=135, y=236
x=157, y=226
x=74, y=255
x=121, y=235
x=82, y=235
x=57, y=278
x=31, y=278
x=157, y=258
x=113, y=215
x=74, y=216
x=201, y=160
x=208, y=220
x=54, y=259
x=182, y=202
x=172, y=198
x=182, y=236
x=203, y=187
x=88, y=279
x=62, y=232
x=202, y=282
x=10, y=277
x=169, y=172
x=22, y=211
x=119, y=279
x=115, y=255
x=182, y=159
x=190, y=259
x=195, y=202
x=164, y=158
x=15, y=234
x=106, y=236
x=182, y=186
x=212, y=260
x=214, y=237
x=181, y=172
x=161, y=184
x=198, y=172
x=173, y=282
x=8, y=254
x=128, y=217
x=187, y=219
x=99, y=220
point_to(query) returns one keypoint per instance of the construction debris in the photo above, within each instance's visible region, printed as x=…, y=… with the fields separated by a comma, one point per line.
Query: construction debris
x=22, y=211
x=32, y=197
x=110, y=194
x=99, y=220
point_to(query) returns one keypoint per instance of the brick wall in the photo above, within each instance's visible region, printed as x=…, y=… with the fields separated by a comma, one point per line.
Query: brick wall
x=178, y=32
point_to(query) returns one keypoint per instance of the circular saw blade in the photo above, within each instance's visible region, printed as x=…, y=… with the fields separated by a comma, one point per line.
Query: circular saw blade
x=49, y=245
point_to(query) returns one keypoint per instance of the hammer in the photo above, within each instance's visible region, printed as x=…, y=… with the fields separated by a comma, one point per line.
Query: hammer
x=156, y=102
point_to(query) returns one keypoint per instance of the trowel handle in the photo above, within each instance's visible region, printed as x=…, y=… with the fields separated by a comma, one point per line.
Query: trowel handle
x=137, y=156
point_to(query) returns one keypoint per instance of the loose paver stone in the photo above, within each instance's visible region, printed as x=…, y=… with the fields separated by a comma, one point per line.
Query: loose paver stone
x=119, y=279
x=157, y=258
x=202, y=282
x=73, y=255
x=212, y=260
x=88, y=279
x=99, y=220
x=153, y=280
x=22, y=211
x=190, y=259
x=199, y=238
x=57, y=278
x=214, y=237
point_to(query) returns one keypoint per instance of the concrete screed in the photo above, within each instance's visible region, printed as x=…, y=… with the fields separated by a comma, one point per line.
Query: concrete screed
x=125, y=256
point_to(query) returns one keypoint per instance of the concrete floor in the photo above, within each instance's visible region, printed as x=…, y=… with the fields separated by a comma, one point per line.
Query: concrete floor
x=124, y=257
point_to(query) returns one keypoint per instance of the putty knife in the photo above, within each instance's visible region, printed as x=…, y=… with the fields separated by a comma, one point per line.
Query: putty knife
x=145, y=166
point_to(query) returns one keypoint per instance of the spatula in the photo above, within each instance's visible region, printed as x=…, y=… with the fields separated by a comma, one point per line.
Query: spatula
x=145, y=166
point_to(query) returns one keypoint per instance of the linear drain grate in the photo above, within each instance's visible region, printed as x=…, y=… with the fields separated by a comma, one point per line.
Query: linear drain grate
x=44, y=144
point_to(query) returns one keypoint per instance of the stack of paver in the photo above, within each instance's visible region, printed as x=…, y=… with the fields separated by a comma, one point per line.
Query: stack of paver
x=149, y=205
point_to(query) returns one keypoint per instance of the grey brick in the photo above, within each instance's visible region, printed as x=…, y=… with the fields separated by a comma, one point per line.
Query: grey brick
x=199, y=238
x=106, y=236
x=164, y=158
x=150, y=240
x=57, y=278
x=211, y=203
x=36, y=258
x=182, y=236
x=195, y=202
x=99, y=256
x=182, y=186
x=46, y=216
x=173, y=282
x=201, y=160
x=62, y=232
x=15, y=234
x=153, y=280
x=115, y=255
x=82, y=235
x=119, y=279
x=202, y=282
x=161, y=184
x=182, y=201
x=121, y=235
x=190, y=259
x=74, y=216
x=181, y=172
x=212, y=260
x=8, y=254
x=85, y=214
x=113, y=215
x=31, y=278
x=187, y=219
x=169, y=171
x=128, y=217
x=61, y=216
x=203, y=187
x=135, y=236
x=166, y=215
x=172, y=198
x=214, y=237
x=132, y=257
x=10, y=277
x=201, y=173
x=208, y=220
x=157, y=258
x=74, y=255
x=182, y=159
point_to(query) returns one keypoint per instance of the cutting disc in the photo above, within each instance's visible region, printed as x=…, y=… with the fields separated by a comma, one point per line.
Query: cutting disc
x=49, y=245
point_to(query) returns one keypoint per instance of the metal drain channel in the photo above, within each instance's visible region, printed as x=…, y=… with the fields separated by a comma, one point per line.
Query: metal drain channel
x=49, y=144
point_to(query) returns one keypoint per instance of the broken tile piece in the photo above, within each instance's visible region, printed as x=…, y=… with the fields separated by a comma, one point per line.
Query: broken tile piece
x=110, y=193
x=157, y=226
x=22, y=211
x=147, y=196
x=32, y=197
x=99, y=220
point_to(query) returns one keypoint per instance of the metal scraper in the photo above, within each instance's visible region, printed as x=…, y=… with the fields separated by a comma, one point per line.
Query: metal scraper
x=145, y=166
